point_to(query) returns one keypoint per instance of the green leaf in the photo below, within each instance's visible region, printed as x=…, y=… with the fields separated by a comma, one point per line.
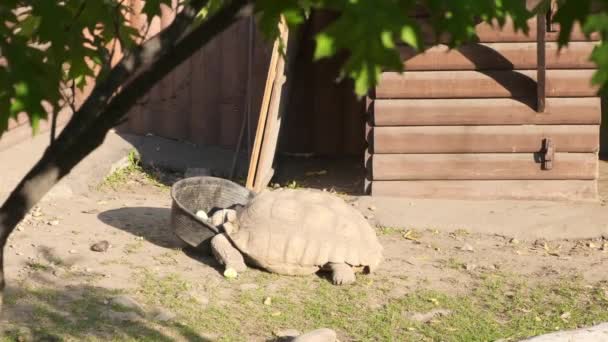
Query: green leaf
x=325, y=46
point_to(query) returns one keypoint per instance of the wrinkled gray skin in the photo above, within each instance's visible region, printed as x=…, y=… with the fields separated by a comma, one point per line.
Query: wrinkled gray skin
x=229, y=256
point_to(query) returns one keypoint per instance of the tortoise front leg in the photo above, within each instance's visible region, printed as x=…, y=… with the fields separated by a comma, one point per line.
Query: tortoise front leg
x=342, y=274
x=226, y=254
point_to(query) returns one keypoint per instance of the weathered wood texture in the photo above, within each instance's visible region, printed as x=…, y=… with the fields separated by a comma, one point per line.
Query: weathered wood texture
x=503, y=166
x=493, y=34
x=497, y=56
x=421, y=112
x=203, y=100
x=488, y=84
x=473, y=122
x=493, y=189
x=483, y=139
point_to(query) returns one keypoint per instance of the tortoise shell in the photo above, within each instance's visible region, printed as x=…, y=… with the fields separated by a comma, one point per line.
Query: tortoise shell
x=291, y=231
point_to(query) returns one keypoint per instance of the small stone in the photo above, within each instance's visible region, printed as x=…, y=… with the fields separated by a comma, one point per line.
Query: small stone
x=319, y=335
x=268, y=301
x=100, y=246
x=514, y=241
x=72, y=251
x=467, y=248
x=88, y=270
x=164, y=315
x=470, y=267
x=53, y=223
x=287, y=333
x=566, y=315
x=58, y=272
x=18, y=253
x=90, y=211
x=369, y=217
x=592, y=245
x=248, y=287
x=127, y=302
x=372, y=208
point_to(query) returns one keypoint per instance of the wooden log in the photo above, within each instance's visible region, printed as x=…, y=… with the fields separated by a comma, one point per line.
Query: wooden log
x=483, y=139
x=417, y=112
x=490, y=190
x=488, y=166
x=493, y=33
x=489, y=84
x=497, y=56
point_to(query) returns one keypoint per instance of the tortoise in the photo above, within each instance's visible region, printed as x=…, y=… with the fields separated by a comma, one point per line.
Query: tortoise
x=297, y=232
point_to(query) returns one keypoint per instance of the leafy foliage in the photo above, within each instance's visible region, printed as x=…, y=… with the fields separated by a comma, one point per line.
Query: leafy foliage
x=49, y=47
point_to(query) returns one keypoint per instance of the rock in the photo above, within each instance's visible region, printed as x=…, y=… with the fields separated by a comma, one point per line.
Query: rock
x=319, y=335
x=127, y=302
x=72, y=251
x=53, y=223
x=470, y=267
x=287, y=333
x=268, y=301
x=428, y=316
x=372, y=208
x=592, y=334
x=164, y=315
x=467, y=248
x=248, y=287
x=101, y=246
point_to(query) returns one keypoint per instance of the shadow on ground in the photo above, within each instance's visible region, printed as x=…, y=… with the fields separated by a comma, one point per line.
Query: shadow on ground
x=341, y=174
x=79, y=313
x=153, y=224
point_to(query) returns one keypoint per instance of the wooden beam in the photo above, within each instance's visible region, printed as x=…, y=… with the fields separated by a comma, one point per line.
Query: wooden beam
x=541, y=62
x=488, y=84
x=483, y=166
x=422, y=112
x=498, y=56
x=483, y=139
x=259, y=135
x=570, y=190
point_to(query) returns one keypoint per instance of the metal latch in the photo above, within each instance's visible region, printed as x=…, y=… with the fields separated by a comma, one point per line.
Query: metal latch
x=547, y=154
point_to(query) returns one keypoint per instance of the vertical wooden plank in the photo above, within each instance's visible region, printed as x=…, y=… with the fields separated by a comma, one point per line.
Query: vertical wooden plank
x=541, y=63
x=276, y=110
x=262, y=120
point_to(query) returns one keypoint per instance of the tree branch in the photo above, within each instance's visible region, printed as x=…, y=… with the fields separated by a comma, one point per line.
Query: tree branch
x=137, y=73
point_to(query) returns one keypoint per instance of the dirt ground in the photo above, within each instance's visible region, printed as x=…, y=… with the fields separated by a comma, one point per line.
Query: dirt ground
x=60, y=289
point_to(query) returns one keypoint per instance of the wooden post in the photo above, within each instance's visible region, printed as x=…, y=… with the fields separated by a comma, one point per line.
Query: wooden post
x=541, y=66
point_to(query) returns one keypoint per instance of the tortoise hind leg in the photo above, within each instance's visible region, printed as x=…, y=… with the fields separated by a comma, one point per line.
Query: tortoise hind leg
x=226, y=254
x=342, y=274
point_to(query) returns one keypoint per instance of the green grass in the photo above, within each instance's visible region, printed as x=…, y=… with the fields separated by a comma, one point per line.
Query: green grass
x=499, y=307
x=133, y=170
